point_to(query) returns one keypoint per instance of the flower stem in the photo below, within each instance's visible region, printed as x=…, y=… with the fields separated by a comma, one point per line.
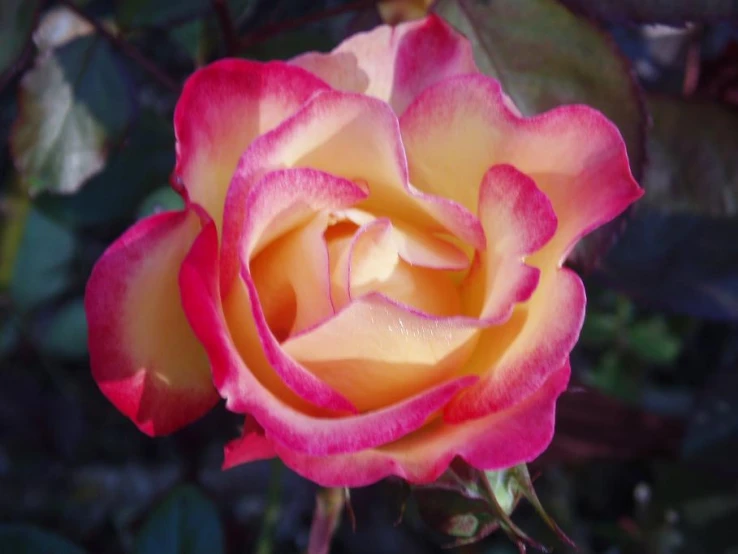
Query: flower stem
x=271, y=512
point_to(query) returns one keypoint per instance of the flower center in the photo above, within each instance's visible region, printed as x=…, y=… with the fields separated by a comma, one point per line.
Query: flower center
x=313, y=272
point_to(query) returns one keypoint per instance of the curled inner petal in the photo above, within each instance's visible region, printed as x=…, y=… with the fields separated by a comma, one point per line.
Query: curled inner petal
x=292, y=279
x=376, y=352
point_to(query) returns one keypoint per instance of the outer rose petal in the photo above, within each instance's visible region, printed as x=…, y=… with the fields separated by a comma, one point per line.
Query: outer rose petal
x=455, y=131
x=515, y=435
x=516, y=358
x=284, y=425
x=354, y=137
x=251, y=447
x=518, y=220
x=394, y=64
x=223, y=107
x=144, y=356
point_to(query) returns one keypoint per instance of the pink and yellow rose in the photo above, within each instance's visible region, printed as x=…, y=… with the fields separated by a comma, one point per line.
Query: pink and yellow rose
x=369, y=263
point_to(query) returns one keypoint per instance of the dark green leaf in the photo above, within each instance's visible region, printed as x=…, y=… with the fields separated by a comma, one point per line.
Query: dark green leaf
x=57, y=143
x=693, y=165
x=545, y=56
x=185, y=523
x=287, y=45
x=680, y=262
x=25, y=539
x=137, y=13
x=600, y=329
x=75, y=104
x=453, y=514
x=42, y=267
x=160, y=13
x=16, y=23
x=116, y=193
x=652, y=341
x=656, y=11
x=100, y=82
x=65, y=335
x=679, y=251
x=9, y=334
x=192, y=37
x=469, y=504
x=161, y=200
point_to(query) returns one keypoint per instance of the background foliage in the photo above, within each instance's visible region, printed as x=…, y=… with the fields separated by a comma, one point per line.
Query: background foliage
x=647, y=437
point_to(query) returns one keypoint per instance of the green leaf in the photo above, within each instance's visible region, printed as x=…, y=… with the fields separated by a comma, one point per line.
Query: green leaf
x=652, y=341
x=116, y=193
x=57, y=143
x=25, y=539
x=600, y=329
x=74, y=104
x=469, y=504
x=290, y=44
x=42, y=268
x=185, y=523
x=693, y=167
x=9, y=333
x=679, y=251
x=100, y=82
x=160, y=13
x=65, y=336
x=453, y=514
x=161, y=200
x=139, y=13
x=192, y=37
x=545, y=56
x=16, y=23
x=656, y=11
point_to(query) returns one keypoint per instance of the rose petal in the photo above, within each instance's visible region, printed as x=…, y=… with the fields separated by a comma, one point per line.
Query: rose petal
x=394, y=64
x=415, y=247
x=517, y=219
x=516, y=358
x=354, y=137
x=251, y=447
x=280, y=201
x=283, y=424
x=223, y=107
x=292, y=278
x=143, y=354
x=455, y=131
x=501, y=440
x=369, y=258
x=370, y=262
x=376, y=352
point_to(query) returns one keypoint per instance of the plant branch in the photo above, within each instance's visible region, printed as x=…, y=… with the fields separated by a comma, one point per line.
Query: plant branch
x=268, y=31
x=126, y=48
x=226, y=26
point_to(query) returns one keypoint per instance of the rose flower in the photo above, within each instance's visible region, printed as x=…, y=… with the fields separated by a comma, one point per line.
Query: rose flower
x=369, y=265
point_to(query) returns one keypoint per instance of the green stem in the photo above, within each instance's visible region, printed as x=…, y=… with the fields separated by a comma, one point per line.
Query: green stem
x=271, y=513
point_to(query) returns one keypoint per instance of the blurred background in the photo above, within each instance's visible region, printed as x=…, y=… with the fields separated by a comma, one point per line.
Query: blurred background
x=645, y=458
